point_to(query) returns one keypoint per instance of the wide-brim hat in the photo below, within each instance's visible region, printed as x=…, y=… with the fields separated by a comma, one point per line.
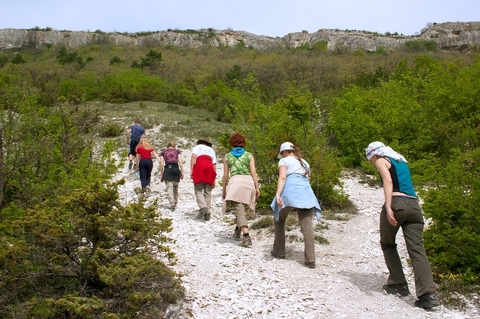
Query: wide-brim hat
x=204, y=141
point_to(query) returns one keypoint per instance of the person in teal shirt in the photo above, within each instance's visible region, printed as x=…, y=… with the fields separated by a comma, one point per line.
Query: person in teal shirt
x=401, y=209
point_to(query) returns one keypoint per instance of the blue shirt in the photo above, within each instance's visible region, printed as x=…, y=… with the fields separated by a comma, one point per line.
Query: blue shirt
x=137, y=131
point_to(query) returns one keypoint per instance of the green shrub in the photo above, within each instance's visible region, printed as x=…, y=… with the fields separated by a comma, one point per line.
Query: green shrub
x=452, y=239
x=110, y=130
x=264, y=222
x=82, y=250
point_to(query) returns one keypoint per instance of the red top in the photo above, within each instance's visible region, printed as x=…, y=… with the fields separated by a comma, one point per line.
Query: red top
x=204, y=171
x=146, y=154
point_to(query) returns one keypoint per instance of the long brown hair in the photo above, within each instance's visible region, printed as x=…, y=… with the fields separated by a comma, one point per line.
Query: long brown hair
x=298, y=154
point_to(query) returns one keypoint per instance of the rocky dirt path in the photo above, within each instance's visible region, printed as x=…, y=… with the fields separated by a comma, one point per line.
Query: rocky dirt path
x=223, y=280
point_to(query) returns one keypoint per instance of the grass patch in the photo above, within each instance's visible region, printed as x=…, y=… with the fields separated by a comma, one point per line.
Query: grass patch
x=321, y=240
x=264, y=222
x=320, y=226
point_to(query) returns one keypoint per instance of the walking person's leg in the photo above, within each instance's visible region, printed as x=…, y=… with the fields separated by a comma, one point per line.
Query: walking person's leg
x=149, y=168
x=278, y=250
x=413, y=234
x=175, y=192
x=242, y=223
x=396, y=283
x=142, y=168
x=169, y=190
x=388, y=234
x=207, y=194
x=305, y=219
x=202, y=205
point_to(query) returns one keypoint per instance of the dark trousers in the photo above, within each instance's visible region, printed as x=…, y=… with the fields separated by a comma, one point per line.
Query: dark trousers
x=145, y=168
x=305, y=219
x=409, y=216
x=133, y=145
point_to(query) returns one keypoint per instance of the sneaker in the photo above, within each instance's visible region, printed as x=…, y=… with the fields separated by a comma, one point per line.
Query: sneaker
x=310, y=264
x=236, y=233
x=397, y=289
x=246, y=242
x=202, y=213
x=426, y=301
x=276, y=256
x=130, y=165
x=207, y=217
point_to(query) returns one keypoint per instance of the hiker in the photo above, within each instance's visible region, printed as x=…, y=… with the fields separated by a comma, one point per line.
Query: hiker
x=240, y=185
x=144, y=162
x=171, y=170
x=203, y=172
x=294, y=193
x=401, y=209
x=134, y=133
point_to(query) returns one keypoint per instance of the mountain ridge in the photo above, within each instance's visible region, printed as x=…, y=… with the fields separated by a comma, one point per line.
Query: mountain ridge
x=447, y=35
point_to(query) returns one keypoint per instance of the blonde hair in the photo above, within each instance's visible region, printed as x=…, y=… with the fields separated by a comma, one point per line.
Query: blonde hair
x=144, y=142
x=170, y=144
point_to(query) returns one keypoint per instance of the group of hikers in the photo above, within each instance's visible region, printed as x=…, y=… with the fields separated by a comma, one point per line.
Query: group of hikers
x=294, y=194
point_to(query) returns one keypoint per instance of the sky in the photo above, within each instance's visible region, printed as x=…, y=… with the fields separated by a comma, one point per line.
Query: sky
x=261, y=17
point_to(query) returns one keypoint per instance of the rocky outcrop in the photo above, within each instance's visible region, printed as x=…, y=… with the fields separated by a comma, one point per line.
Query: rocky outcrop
x=449, y=35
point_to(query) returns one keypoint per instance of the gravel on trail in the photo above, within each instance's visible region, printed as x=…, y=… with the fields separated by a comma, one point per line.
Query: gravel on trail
x=223, y=280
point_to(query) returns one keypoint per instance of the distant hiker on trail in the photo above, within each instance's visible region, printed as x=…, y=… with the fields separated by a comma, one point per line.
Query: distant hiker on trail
x=294, y=193
x=144, y=162
x=203, y=170
x=401, y=209
x=134, y=133
x=171, y=170
x=240, y=185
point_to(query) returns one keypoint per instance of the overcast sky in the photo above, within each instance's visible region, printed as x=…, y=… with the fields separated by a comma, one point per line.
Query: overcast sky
x=260, y=17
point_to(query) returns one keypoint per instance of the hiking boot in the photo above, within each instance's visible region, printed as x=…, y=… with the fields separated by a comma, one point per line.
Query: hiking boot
x=236, y=233
x=202, y=213
x=148, y=189
x=310, y=264
x=276, y=256
x=397, y=289
x=207, y=217
x=427, y=301
x=130, y=165
x=246, y=242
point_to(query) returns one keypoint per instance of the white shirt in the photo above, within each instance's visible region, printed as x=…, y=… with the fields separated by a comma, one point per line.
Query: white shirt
x=201, y=149
x=294, y=166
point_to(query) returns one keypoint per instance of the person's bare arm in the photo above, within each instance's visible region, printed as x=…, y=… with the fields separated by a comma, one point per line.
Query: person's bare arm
x=180, y=164
x=193, y=159
x=282, y=177
x=162, y=165
x=382, y=166
x=225, y=178
x=253, y=172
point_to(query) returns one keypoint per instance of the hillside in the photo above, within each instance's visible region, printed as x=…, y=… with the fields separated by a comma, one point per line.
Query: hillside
x=223, y=280
x=448, y=35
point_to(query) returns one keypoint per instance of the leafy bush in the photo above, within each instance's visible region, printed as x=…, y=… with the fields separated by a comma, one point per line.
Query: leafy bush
x=81, y=250
x=110, y=130
x=452, y=239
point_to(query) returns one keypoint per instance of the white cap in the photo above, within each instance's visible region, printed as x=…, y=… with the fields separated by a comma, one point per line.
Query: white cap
x=287, y=146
